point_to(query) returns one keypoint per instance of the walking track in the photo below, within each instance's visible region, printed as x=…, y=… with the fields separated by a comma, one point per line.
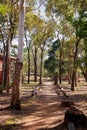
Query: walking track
x=41, y=112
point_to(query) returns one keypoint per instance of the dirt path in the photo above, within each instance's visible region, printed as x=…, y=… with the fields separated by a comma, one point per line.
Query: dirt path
x=44, y=110
x=41, y=112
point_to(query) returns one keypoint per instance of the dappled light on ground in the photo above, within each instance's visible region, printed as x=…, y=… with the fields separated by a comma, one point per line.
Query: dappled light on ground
x=41, y=112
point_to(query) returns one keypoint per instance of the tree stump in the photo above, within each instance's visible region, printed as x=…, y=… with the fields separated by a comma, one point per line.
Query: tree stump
x=76, y=116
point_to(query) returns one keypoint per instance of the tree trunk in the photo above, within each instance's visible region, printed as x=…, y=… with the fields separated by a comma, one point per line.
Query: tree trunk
x=28, y=66
x=76, y=78
x=6, y=61
x=6, y=77
x=7, y=65
x=4, y=52
x=10, y=36
x=40, y=82
x=22, y=78
x=4, y=67
x=15, y=97
x=35, y=65
x=60, y=67
x=60, y=61
x=84, y=73
x=73, y=81
x=69, y=68
x=69, y=77
x=56, y=78
x=28, y=53
x=74, y=64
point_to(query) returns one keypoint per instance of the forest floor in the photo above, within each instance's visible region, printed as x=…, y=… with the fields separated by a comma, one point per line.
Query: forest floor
x=41, y=112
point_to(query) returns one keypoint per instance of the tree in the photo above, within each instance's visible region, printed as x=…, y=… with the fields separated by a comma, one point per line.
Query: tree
x=6, y=38
x=51, y=64
x=44, y=35
x=15, y=97
x=73, y=12
x=7, y=31
x=28, y=54
x=83, y=61
x=80, y=25
x=34, y=24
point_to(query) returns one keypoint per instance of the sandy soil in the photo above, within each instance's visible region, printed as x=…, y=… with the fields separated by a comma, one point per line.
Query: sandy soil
x=43, y=111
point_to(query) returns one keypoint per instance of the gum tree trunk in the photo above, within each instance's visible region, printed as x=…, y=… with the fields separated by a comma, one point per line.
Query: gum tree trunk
x=15, y=97
x=41, y=64
x=35, y=65
x=74, y=64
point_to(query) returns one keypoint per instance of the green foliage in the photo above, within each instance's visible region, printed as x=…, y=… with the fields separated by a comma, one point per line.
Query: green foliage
x=79, y=22
x=51, y=64
x=33, y=21
x=55, y=45
x=4, y=9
